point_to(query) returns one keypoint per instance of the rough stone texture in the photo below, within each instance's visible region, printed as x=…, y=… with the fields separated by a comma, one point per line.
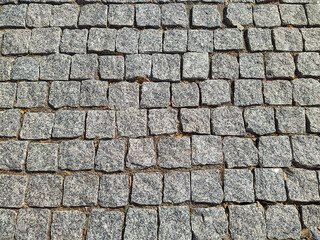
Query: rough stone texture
x=37, y=15
x=93, y=15
x=93, y=93
x=6, y=64
x=176, y=187
x=121, y=15
x=13, y=155
x=291, y=120
x=127, y=40
x=313, y=116
x=251, y=65
x=25, y=68
x=16, y=41
x=306, y=151
x=42, y=157
x=141, y=154
x=288, y=39
x=132, y=122
x=228, y=39
x=313, y=11
x=310, y=215
x=150, y=41
x=266, y=15
x=12, y=190
x=153, y=95
x=259, y=39
x=260, y=120
x=10, y=122
x=175, y=41
x=7, y=94
x=206, y=150
x=277, y=92
x=293, y=15
x=239, y=13
x=111, y=67
x=100, y=123
x=279, y=65
x=195, y=120
x=174, y=15
x=195, y=66
x=248, y=92
x=55, y=67
x=102, y=40
x=124, y=95
x=200, y=41
x=8, y=223
x=32, y=94
x=311, y=39
x=64, y=94
x=13, y=16
x=308, y=64
x=163, y=121
x=206, y=16
x=74, y=41
x=306, y=91
x=68, y=124
x=83, y=66
x=185, y=94
x=45, y=40
x=166, y=67
x=65, y=15
x=225, y=66
x=148, y=15
x=138, y=65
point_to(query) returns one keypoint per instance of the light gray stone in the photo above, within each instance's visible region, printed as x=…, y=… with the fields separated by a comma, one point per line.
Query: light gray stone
x=10, y=121
x=228, y=39
x=311, y=38
x=293, y=14
x=259, y=39
x=163, y=121
x=239, y=13
x=16, y=42
x=248, y=92
x=200, y=41
x=153, y=95
x=93, y=15
x=55, y=67
x=8, y=223
x=308, y=64
x=25, y=68
x=291, y=120
x=42, y=157
x=195, y=66
x=141, y=154
x=132, y=122
x=38, y=15
x=279, y=65
x=277, y=92
x=288, y=39
x=251, y=65
x=124, y=95
x=74, y=41
x=175, y=41
x=93, y=93
x=111, y=67
x=64, y=15
x=206, y=16
x=13, y=16
x=101, y=124
x=185, y=94
x=32, y=94
x=260, y=120
x=174, y=15
x=68, y=124
x=266, y=15
x=306, y=91
x=225, y=66
x=13, y=155
x=6, y=64
x=195, y=120
x=313, y=11
x=102, y=40
x=166, y=67
x=127, y=40
x=176, y=187
x=138, y=65
x=12, y=190
x=150, y=41
x=8, y=94
x=121, y=15
x=148, y=15
x=83, y=66
x=215, y=92
x=310, y=215
x=313, y=119
x=306, y=151
x=64, y=94
x=45, y=40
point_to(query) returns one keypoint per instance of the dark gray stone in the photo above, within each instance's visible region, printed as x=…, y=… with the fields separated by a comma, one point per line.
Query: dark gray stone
x=102, y=40
x=195, y=120
x=260, y=120
x=215, y=92
x=8, y=94
x=277, y=92
x=148, y=15
x=93, y=15
x=64, y=94
x=251, y=65
x=16, y=41
x=195, y=66
x=259, y=39
x=111, y=67
x=8, y=223
x=45, y=40
x=132, y=122
x=25, y=68
x=127, y=40
x=306, y=92
x=174, y=15
x=13, y=155
x=176, y=187
x=175, y=41
x=153, y=95
x=32, y=94
x=248, y=92
x=93, y=93
x=185, y=94
x=288, y=39
x=42, y=157
x=206, y=16
x=74, y=41
x=291, y=120
x=13, y=16
x=121, y=15
x=55, y=67
x=200, y=41
x=83, y=66
x=163, y=121
x=266, y=15
x=225, y=66
x=12, y=190
x=228, y=39
x=306, y=151
x=65, y=15
x=293, y=15
x=38, y=15
x=101, y=124
x=150, y=41
x=138, y=65
x=124, y=95
x=166, y=67
x=10, y=121
x=68, y=124
x=141, y=154
x=313, y=116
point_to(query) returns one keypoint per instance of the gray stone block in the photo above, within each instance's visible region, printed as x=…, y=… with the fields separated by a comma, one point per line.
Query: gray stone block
x=42, y=157
x=174, y=15
x=148, y=15
x=83, y=66
x=147, y=189
x=12, y=190
x=138, y=65
x=313, y=116
x=291, y=120
x=311, y=38
x=163, y=121
x=200, y=41
x=240, y=152
x=121, y=15
x=308, y=64
x=313, y=13
x=306, y=92
x=16, y=42
x=185, y=95
x=102, y=40
x=45, y=40
x=283, y=222
x=25, y=68
x=110, y=155
x=93, y=15
x=228, y=39
x=195, y=66
x=259, y=39
x=166, y=67
x=141, y=154
x=64, y=15
x=174, y=223
x=206, y=16
x=174, y=152
x=68, y=124
x=150, y=41
x=266, y=15
x=55, y=67
x=74, y=41
x=10, y=121
x=279, y=65
x=225, y=66
x=278, y=92
x=206, y=186
x=13, y=16
x=288, y=39
x=114, y=191
x=227, y=121
x=175, y=41
x=215, y=92
x=93, y=93
x=38, y=15
x=176, y=187
x=6, y=64
x=306, y=151
x=37, y=125
x=260, y=120
x=293, y=15
x=8, y=223
x=251, y=65
x=153, y=95
x=206, y=150
x=76, y=155
x=127, y=40
x=239, y=14
x=100, y=123
x=248, y=92
x=195, y=120
x=32, y=94
x=132, y=122
x=64, y=94
x=13, y=155
x=111, y=67
x=8, y=94
x=310, y=215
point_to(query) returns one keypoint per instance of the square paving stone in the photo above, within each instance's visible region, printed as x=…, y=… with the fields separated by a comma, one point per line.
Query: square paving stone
x=251, y=65
x=239, y=13
x=166, y=67
x=308, y=64
x=313, y=119
x=32, y=94
x=64, y=15
x=206, y=150
x=306, y=151
x=93, y=15
x=55, y=67
x=306, y=92
x=225, y=66
x=174, y=15
x=102, y=40
x=275, y=151
x=153, y=95
x=37, y=125
x=8, y=223
x=25, y=68
x=269, y=184
x=141, y=224
x=206, y=16
x=32, y=223
x=240, y=152
x=44, y=191
x=185, y=95
x=121, y=15
x=277, y=92
x=248, y=92
x=12, y=190
x=210, y=221
x=311, y=38
x=110, y=155
x=6, y=64
x=174, y=152
x=16, y=41
x=111, y=67
x=76, y=155
x=148, y=15
x=138, y=65
x=13, y=16
x=174, y=223
x=288, y=39
x=279, y=65
x=132, y=122
x=150, y=41
x=176, y=187
x=100, y=124
x=124, y=95
x=42, y=157
x=200, y=41
x=68, y=224
x=302, y=185
x=228, y=39
x=80, y=189
x=266, y=15
x=195, y=66
x=215, y=92
x=45, y=40
x=83, y=66
x=68, y=124
x=103, y=224
x=8, y=94
x=259, y=39
x=313, y=11
x=227, y=121
x=93, y=93
x=147, y=189
x=38, y=15
x=291, y=120
x=10, y=122
x=141, y=154
x=13, y=155
x=195, y=120
x=127, y=40
x=206, y=186
x=163, y=121
x=283, y=222
x=114, y=191
x=247, y=222
x=64, y=94
x=310, y=215
x=175, y=41
x=293, y=14
x=238, y=185
x=260, y=120
x=74, y=41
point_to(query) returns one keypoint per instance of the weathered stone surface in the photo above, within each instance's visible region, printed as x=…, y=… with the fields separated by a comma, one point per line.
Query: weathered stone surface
x=127, y=40
x=64, y=94
x=206, y=16
x=6, y=64
x=176, y=187
x=185, y=94
x=239, y=13
x=311, y=39
x=200, y=41
x=313, y=116
x=74, y=41
x=93, y=93
x=259, y=39
x=215, y=92
x=141, y=154
x=279, y=65
x=313, y=11
x=174, y=15
x=225, y=66
x=8, y=223
x=12, y=190
x=64, y=15
x=138, y=65
x=175, y=41
x=42, y=157
x=132, y=122
x=10, y=122
x=150, y=41
x=166, y=67
x=153, y=95
x=102, y=40
x=83, y=66
x=228, y=39
x=68, y=124
x=266, y=15
x=121, y=15
x=288, y=39
x=277, y=92
x=111, y=67
x=195, y=120
x=293, y=14
x=13, y=155
x=260, y=120
x=32, y=94
x=195, y=66
x=37, y=125
x=306, y=91
x=124, y=95
x=148, y=15
x=306, y=151
x=55, y=67
x=291, y=120
x=25, y=68
x=248, y=92
x=163, y=121
x=310, y=215
x=101, y=124
x=251, y=65
x=16, y=41
x=45, y=40
x=93, y=15
x=38, y=15
x=308, y=64
x=13, y=16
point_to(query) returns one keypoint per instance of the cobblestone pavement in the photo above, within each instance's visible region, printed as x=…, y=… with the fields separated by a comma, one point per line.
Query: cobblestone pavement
x=164, y=120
